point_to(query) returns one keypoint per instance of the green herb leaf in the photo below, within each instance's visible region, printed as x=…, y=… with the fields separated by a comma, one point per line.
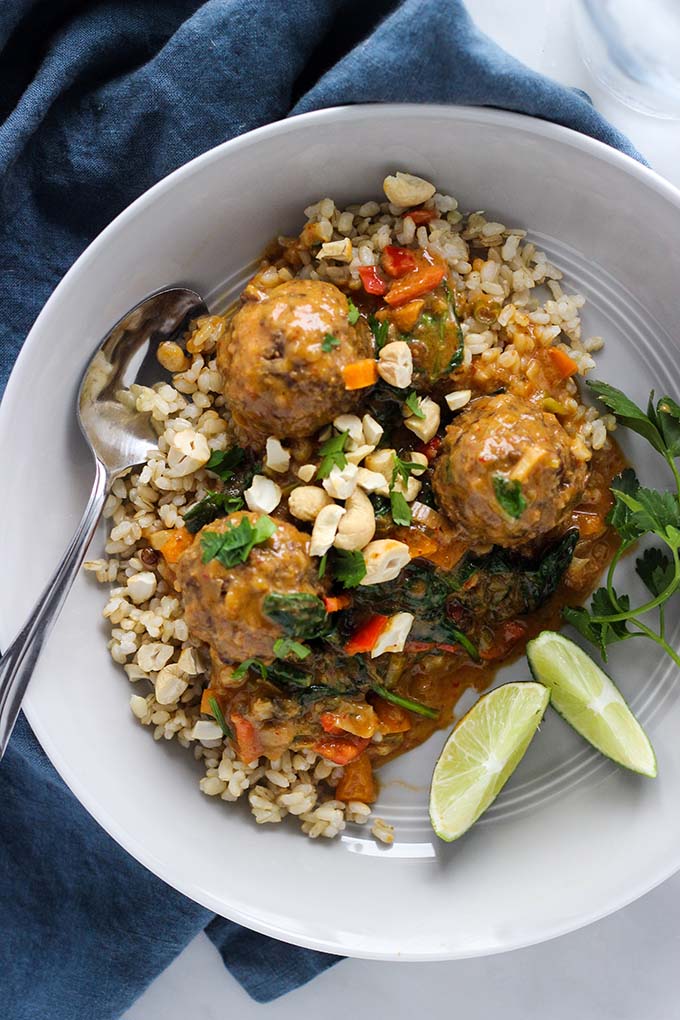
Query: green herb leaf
x=248, y=664
x=349, y=568
x=235, y=544
x=601, y=634
x=413, y=706
x=628, y=413
x=404, y=469
x=298, y=614
x=225, y=462
x=332, y=454
x=509, y=496
x=322, y=565
x=650, y=510
x=621, y=516
x=353, y=313
x=379, y=331
x=212, y=506
x=401, y=511
x=656, y=569
x=381, y=504
x=219, y=717
x=284, y=646
x=668, y=422
x=413, y=404
x=329, y=342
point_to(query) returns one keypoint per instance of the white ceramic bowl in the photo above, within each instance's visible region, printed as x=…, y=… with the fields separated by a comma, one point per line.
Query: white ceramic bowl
x=572, y=837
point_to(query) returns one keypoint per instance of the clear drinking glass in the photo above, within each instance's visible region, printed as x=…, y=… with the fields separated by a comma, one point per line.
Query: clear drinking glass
x=633, y=48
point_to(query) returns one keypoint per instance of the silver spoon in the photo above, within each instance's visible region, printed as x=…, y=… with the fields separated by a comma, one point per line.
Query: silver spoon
x=119, y=438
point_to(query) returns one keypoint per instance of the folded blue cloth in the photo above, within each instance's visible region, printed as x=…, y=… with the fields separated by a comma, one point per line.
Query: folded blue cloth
x=97, y=102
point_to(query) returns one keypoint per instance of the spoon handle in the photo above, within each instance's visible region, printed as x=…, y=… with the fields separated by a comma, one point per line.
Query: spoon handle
x=18, y=662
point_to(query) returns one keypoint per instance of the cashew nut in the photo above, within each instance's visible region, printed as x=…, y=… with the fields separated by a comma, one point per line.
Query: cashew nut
x=306, y=472
x=393, y=638
x=307, y=501
x=356, y=456
x=373, y=430
x=263, y=496
x=385, y=559
x=141, y=586
x=417, y=458
x=425, y=428
x=325, y=529
x=457, y=399
x=371, y=481
x=188, y=452
x=276, y=457
x=357, y=527
x=395, y=364
x=407, y=189
x=339, y=250
x=341, y=482
x=352, y=424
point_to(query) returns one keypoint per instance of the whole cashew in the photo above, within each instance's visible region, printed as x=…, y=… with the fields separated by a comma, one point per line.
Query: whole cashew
x=357, y=527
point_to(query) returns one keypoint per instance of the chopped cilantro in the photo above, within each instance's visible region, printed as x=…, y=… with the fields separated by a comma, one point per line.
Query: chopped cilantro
x=254, y=664
x=225, y=462
x=353, y=313
x=235, y=544
x=413, y=404
x=332, y=453
x=212, y=506
x=509, y=496
x=329, y=342
x=401, y=511
x=349, y=568
x=379, y=331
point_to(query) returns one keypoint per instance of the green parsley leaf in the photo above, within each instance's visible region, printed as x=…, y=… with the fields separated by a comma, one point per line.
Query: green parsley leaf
x=509, y=496
x=349, y=568
x=621, y=516
x=298, y=614
x=329, y=342
x=332, y=454
x=651, y=510
x=353, y=313
x=404, y=469
x=247, y=664
x=235, y=544
x=225, y=462
x=656, y=570
x=212, y=506
x=284, y=646
x=602, y=634
x=401, y=511
x=219, y=717
x=668, y=422
x=379, y=331
x=413, y=404
x=628, y=413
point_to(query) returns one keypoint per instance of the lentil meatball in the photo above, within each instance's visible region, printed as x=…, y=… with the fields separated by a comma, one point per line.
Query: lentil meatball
x=494, y=445
x=278, y=378
x=223, y=605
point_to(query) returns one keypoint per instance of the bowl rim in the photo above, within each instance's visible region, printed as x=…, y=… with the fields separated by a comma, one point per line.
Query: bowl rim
x=127, y=839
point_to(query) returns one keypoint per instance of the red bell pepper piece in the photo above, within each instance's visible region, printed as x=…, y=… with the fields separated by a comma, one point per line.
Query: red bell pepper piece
x=427, y=275
x=397, y=261
x=364, y=639
x=372, y=280
x=341, y=750
x=420, y=216
x=329, y=723
x=431, y=449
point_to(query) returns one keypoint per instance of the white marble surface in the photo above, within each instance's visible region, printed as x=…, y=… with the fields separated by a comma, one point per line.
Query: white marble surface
x=622, y=968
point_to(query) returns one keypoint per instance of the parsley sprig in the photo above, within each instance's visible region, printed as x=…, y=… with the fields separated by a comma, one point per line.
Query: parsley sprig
x=403, y=469
x=329, y=342
x=639, y=511
x=235, y=543
x=332, y=454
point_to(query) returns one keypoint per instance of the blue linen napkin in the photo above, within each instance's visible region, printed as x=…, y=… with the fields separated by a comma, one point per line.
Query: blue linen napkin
x=97, y=102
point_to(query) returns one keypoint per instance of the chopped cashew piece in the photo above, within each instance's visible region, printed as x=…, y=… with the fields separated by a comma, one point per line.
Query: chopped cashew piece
x=357, y=527
x=395, y=364
x=370, y=481
x=373, y=430
x=263, y=496
x=385, y=559
x=341, y=482
x=352, y=424
x=153, y=656
x=276, y=457
x=205, y=729
x=393, y=638
x=307, y=472
x=416, y=458
x=356, y=456
x=307, y=501
x=425, y=428
x=188, y=452
x=325, y=529
x=407, y=189
x=409, y=490
x=457, y=399
x=141, y=586
x=383, y=462
x=169, y=687
x=339, y=250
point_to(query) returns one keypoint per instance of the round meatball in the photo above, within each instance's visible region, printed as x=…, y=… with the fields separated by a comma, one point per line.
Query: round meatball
x=282, y=360
x=506, y=473
x=224, y=605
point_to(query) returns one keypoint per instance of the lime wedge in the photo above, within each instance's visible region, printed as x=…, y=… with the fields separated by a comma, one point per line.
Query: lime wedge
x=481, y=754
x=590, y=702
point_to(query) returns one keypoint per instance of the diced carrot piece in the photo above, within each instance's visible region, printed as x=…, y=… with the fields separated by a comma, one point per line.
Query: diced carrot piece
x=247, y=738
x=208, y=693
x=425, y=277
x=405, y=317
x=360, y=374
x=372, y=280
x=334, y=603
x=340, y=749
x=420, y=216
x=393, y=718
x=563, y=364
x=365, y=637
x=178, y=542
x=358, y=782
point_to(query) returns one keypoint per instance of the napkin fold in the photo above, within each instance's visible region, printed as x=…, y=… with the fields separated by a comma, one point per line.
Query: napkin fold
x=98, y=101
